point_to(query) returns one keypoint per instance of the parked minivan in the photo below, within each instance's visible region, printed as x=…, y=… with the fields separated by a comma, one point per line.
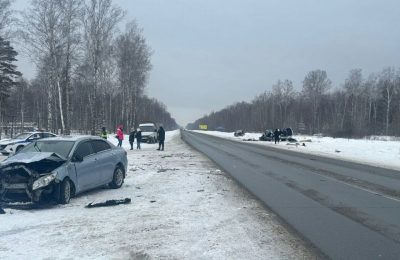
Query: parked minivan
x=149, y=132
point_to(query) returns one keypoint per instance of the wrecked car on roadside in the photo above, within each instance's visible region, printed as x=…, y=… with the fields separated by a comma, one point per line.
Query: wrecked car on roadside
x=238, y=133
x=61, y=167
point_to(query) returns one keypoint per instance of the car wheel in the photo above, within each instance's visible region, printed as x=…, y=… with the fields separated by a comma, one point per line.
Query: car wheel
x=118, y=178
x=65, y=192
x=19, y=148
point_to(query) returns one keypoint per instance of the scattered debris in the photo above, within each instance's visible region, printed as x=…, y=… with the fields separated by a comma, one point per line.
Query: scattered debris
x=152, y=201
x=249, y=139
x=2, y=211
x=165, y=156
x=167, y=169
x=200, y=190
x=109, y=203
x=337, y=151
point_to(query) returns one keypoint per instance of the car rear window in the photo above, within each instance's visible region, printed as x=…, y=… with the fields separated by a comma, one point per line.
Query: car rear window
x=84, y=149
x=45, y=135
x=100, y=145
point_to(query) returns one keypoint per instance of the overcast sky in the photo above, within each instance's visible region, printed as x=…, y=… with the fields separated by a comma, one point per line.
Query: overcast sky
x=211, y=53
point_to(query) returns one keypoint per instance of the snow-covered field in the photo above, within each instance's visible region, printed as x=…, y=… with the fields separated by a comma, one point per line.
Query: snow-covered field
x=383, y=153
x=183, y=207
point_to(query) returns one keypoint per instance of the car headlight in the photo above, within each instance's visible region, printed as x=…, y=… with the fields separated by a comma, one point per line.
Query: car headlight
x=43, y=181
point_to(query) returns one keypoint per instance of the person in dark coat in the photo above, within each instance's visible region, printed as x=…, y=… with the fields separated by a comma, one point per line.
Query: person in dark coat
x=138, y=138
x=132, y=137
x=277, y=133
x=161, y=138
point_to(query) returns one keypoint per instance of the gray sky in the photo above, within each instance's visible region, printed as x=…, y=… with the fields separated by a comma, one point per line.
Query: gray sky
x=209, y=54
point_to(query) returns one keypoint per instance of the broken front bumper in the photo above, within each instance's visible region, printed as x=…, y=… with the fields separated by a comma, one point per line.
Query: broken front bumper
x=19, y=183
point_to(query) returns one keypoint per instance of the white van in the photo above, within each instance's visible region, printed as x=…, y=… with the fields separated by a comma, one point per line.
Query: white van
x=149, y=132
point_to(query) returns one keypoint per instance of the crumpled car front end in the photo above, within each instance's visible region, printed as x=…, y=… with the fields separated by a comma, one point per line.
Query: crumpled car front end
x=26, y=177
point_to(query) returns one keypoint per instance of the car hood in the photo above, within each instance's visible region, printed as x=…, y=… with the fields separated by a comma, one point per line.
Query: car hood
x=147, y=133
x=39, y=161
x=8, y=141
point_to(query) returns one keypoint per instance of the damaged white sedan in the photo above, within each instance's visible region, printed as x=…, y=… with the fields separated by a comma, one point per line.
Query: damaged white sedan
x=60, y=168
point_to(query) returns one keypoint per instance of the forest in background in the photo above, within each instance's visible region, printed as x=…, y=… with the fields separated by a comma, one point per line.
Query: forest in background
x=361, y=106
x=89, y=74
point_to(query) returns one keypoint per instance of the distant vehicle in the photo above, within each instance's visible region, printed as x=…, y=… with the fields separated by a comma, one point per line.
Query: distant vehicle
x=239, y=133
x=11, y=146
x=60, y=168
x=285, y=135
x=149, y=132
x=268, y=135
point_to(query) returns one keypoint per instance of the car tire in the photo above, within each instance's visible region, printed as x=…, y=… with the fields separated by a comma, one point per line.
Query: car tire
x=19, y=148
x=65, y=191
x=118, y=178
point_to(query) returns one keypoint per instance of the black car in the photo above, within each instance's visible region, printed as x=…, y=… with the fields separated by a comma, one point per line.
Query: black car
x=239, y=133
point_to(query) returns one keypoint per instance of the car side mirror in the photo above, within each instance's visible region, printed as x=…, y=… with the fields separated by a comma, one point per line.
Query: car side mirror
x=77, y=158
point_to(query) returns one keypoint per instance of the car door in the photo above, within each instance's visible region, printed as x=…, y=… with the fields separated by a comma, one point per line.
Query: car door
x=105, y=160
x=86, y=175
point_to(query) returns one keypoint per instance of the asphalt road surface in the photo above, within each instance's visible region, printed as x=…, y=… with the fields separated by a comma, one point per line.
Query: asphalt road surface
x=346, y=210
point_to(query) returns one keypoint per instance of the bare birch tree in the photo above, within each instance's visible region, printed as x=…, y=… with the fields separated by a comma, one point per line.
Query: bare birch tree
x=315, y=84
x=50, y=31
x=387, y=84
x=6, y=18
x=100, y=20
x=133, y=59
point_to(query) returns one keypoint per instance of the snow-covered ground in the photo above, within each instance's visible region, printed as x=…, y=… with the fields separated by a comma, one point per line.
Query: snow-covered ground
x=183, y=207
x=384, y=152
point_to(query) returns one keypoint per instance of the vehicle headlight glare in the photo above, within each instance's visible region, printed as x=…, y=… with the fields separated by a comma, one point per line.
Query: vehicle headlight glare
x=43, y=181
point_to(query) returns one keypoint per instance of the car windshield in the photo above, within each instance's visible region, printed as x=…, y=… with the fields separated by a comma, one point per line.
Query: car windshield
x=62, y=148
x=22, y=136
x=147, y=128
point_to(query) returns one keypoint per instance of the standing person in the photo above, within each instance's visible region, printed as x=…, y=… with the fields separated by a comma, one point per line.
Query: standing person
x=276, y=135
x=161, y=138
x=132, y=137
x=120, y=135
x=103, y=133
x=138, y=138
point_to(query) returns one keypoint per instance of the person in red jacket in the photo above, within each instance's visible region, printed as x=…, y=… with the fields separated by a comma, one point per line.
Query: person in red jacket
x=120, y=135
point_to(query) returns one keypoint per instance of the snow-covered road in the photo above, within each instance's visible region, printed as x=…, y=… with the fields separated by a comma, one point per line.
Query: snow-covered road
x=183, y=207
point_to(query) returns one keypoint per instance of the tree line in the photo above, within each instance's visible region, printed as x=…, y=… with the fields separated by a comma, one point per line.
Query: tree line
x=88, y=73
x=361, y=106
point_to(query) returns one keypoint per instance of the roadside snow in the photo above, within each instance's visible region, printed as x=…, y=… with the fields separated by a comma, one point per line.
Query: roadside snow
x=183, y=207
x=383, y=153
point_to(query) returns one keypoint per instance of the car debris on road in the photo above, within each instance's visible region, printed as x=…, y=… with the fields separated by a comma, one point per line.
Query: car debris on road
x=108, y=203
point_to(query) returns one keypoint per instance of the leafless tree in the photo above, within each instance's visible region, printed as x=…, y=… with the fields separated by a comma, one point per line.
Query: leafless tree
x=6, y=18
x=100, y=20
x=133, y=60
x=315, y=84
x=387, y=84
